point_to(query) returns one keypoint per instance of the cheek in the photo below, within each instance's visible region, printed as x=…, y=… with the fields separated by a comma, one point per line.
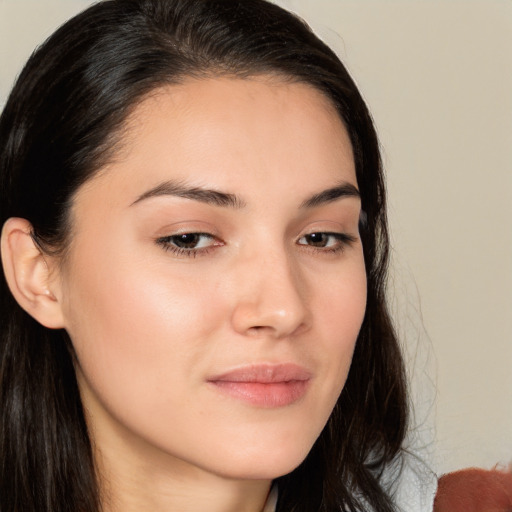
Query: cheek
x=342, y=301
x=340, y=313
x=137, y=330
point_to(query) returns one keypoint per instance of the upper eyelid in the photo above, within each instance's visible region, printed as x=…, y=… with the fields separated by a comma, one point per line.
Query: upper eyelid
x=208, y=234
x=340, y=233
x=186, y=228
x=325, y=232
x=199, y=233
x=212, y=233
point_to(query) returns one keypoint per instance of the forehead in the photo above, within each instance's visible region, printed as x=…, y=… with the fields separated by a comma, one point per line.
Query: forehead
x=228, y=101
x=230, y=133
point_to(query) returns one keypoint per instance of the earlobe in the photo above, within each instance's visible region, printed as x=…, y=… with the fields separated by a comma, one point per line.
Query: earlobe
x=28, y=274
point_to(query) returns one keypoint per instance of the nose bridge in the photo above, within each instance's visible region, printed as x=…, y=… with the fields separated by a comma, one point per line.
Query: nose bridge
x=272, y=296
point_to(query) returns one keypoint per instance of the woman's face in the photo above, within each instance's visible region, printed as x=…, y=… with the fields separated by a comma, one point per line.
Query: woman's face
x=215, y=283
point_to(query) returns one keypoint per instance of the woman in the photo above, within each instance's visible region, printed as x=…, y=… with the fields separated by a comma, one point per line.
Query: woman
x=194, y=247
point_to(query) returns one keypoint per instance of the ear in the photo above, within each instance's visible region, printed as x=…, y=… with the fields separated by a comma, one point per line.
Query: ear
x=29, y=275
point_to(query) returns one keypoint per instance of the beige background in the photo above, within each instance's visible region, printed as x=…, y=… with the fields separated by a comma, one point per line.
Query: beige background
x=438, y=78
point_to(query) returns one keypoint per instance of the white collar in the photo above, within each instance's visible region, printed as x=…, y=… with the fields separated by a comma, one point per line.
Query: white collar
x=271, y=503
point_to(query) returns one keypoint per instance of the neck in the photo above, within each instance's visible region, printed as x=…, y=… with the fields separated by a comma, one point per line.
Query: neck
x=139, y=490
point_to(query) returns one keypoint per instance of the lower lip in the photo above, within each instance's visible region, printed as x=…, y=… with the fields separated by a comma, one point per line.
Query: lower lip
x=263, y=394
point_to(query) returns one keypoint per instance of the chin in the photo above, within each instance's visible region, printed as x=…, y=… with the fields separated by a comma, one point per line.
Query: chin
x=264, y=449
x=264, y=464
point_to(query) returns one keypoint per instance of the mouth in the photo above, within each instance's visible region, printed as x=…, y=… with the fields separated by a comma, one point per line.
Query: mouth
x=266, y=385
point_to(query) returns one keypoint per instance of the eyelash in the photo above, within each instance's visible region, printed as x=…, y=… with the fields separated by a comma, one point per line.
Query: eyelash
x=343, y=240
x=168, y=243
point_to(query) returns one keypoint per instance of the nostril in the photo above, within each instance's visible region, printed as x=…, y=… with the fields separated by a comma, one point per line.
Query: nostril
x=260, y=328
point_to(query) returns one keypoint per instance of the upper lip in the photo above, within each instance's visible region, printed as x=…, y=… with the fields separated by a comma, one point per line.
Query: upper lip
x=264, y=373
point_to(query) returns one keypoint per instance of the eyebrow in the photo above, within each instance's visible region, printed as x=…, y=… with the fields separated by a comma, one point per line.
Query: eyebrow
x=204, y=195
x=331, y=194
x=226, y=199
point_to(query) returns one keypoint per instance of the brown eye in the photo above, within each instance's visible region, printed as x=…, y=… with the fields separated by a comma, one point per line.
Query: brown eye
x=317, y=239
x=325, y=240
x=188, y=243
x=187, y=240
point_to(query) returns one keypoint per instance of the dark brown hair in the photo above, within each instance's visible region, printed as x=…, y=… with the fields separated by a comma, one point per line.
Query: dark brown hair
x=60, y=126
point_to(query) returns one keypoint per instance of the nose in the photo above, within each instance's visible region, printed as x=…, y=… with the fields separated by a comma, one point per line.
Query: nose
x=272, y=298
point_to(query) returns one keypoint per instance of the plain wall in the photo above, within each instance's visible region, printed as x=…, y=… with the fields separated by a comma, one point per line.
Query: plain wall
x=437, y=76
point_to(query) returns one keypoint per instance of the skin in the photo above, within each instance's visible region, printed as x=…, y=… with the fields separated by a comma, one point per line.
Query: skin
x=151, y=326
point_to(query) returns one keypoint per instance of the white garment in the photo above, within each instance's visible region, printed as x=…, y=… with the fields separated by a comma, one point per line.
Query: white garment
x=416, y=488
x=270, y=505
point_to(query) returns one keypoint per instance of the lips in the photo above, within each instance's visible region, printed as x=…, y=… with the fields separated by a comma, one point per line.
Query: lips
x=267, y=386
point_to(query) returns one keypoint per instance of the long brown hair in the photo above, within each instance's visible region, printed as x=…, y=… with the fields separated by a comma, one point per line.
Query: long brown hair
x=60, y=126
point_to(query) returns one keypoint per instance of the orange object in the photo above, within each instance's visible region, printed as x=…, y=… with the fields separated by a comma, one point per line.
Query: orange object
x=474, y=490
